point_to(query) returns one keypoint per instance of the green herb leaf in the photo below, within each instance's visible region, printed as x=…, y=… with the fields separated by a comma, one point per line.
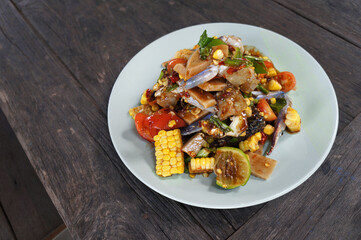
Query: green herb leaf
x=237, y=53
x=206, y=43
x=215, y=42
x=234, y=62
x=259, y=67
x=204, y=52
x=204, y=39
x=224, y=127
x=280, y=103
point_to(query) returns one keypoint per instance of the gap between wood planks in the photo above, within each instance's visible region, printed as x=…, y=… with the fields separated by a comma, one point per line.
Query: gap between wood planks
x=317, y=24
x=8, y=228
x=78, y=84
x=349, y=130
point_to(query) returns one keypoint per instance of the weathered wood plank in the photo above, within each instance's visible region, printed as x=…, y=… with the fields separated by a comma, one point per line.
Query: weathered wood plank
x=344, y=215
x=295, y=215
x=5, y=228
x=340, y=17
x=21, y=193
x=92, y=195
x=97, y=24
x=94, y=50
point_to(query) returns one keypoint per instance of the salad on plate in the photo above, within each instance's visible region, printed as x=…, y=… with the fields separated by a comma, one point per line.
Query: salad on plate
x=219, y=107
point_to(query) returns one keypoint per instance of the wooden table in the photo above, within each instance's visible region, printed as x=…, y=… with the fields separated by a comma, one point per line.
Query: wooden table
x=59, y=61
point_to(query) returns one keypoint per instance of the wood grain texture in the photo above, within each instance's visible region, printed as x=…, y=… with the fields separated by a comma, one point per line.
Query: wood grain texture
x=62, y=58
x=94, y=51
x=6, y=232
x=339, y=17
x=26, y=204
x=298, y=214
x=91, y=194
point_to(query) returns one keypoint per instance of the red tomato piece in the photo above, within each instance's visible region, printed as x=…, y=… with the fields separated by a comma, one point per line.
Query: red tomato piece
x=287, y=80
x=144, y=131
x=268, y=64
x=174, y=62
x=149, y=126
x=160, y=120
x=264, y=107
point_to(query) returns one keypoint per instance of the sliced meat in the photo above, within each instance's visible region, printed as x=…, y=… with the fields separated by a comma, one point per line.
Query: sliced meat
x=206, y=99
x=230, y=103
x=167, y=99
x=245, y=77
x=214, y=85
x=196, y=65
x=261, y=166
x=190, y=118
x=180, y=69
x=193, y=145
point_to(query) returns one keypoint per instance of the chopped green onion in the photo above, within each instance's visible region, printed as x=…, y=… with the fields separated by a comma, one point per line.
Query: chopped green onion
x=237, y=53
x=233, y=62
x=224, y=127
x=161, y=74
x=262, y=89
x=172, y=87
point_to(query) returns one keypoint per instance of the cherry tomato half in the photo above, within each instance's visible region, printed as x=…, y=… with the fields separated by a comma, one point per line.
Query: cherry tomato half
x=160, y=120
x=268, y=64
x=174, y=62
x=264, y=107
x=149, y=126
x=287, y=80
x=143, y=131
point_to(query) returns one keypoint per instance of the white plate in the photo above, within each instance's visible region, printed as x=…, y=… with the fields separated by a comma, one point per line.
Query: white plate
x=298, y=155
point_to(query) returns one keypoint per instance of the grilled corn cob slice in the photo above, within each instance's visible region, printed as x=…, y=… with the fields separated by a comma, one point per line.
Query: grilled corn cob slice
x=251, y=143
x=293, y=120
x=169, y=157
x=201, y=165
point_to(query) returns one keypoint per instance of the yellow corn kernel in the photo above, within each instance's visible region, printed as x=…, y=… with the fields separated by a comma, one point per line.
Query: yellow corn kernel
x=273, y=85
x=168, y=153
x=132, y=113
x=144, y=98
x=172, y=123
x=201, y=165
x=263, y=80
x=251, y=143
x=248, y=101
x=155, y=107
x=268, y=129
x=218, y=54
x=293, y=120
x=251, y=98
x=271, y=72
x=248, y=112
x=265, y=58
x=273, y=100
